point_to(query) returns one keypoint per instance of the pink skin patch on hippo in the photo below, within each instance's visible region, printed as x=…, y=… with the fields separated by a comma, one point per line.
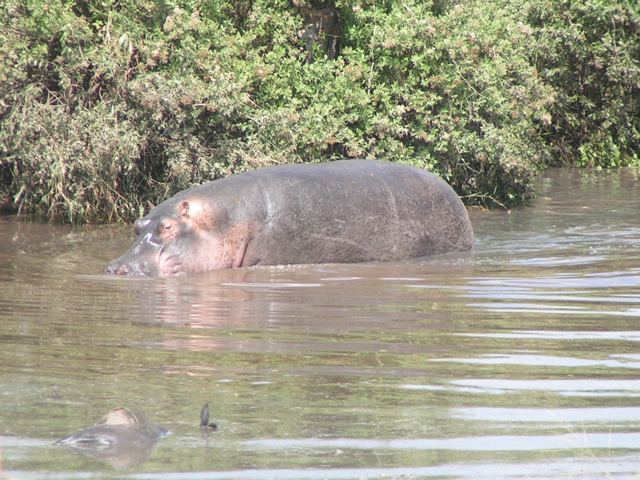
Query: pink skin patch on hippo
x=207, y=250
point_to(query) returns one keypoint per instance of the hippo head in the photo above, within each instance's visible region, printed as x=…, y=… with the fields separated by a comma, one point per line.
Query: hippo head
x=123, y=438
x=177, y=237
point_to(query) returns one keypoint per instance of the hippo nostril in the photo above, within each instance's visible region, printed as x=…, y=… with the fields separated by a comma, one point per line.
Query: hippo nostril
x=127, y=269
x=113, y=268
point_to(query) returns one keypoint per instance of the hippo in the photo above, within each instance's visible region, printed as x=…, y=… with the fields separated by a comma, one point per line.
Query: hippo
x=344, y=211
x=123, y=438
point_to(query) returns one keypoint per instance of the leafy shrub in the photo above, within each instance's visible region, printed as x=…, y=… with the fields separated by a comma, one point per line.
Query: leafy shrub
x=454, y=93
x=107, y=107
x=589, y=52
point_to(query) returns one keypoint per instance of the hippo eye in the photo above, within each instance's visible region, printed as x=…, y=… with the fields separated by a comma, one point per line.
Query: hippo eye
x=168, y=228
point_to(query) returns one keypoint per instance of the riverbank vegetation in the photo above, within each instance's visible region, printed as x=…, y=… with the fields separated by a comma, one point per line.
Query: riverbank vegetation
x=108, y=106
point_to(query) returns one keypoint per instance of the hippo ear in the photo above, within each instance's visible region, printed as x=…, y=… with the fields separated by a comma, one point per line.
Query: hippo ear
x=198, y=212
x=184, y=209
x=119, y=416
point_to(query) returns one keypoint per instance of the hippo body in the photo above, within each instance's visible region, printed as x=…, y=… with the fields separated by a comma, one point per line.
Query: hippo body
x=339, y=212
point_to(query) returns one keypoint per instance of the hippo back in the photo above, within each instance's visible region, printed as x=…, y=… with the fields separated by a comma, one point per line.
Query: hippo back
x=348, y=211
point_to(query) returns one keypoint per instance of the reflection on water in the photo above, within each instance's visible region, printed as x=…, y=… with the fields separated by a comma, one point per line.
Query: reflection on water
x=517, y=359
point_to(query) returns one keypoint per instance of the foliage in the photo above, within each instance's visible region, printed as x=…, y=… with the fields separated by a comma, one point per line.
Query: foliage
x=107, y=106
x=589, y=52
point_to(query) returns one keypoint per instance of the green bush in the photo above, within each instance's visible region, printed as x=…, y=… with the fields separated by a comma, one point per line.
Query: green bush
x=455, y=94
x=106, y=106
x=589, y=52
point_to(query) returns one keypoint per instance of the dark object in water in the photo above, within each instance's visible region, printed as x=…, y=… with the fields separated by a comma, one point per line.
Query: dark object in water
x=204, y=416
x=204, y=420
x=122, y=438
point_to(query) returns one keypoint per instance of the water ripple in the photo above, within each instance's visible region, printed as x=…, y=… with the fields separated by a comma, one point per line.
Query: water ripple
x=539, y=361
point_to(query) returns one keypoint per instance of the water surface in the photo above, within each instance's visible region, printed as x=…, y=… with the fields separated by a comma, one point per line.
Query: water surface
x=518, y=359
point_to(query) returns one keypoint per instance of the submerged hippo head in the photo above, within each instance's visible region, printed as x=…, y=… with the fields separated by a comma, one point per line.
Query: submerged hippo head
x=181, y=235
x=123, y=438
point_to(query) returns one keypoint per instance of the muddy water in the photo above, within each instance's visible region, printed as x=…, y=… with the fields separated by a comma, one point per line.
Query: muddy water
x=519, y=359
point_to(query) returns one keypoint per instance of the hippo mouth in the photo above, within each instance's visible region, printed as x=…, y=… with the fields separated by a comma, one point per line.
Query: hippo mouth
x=164, y=264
